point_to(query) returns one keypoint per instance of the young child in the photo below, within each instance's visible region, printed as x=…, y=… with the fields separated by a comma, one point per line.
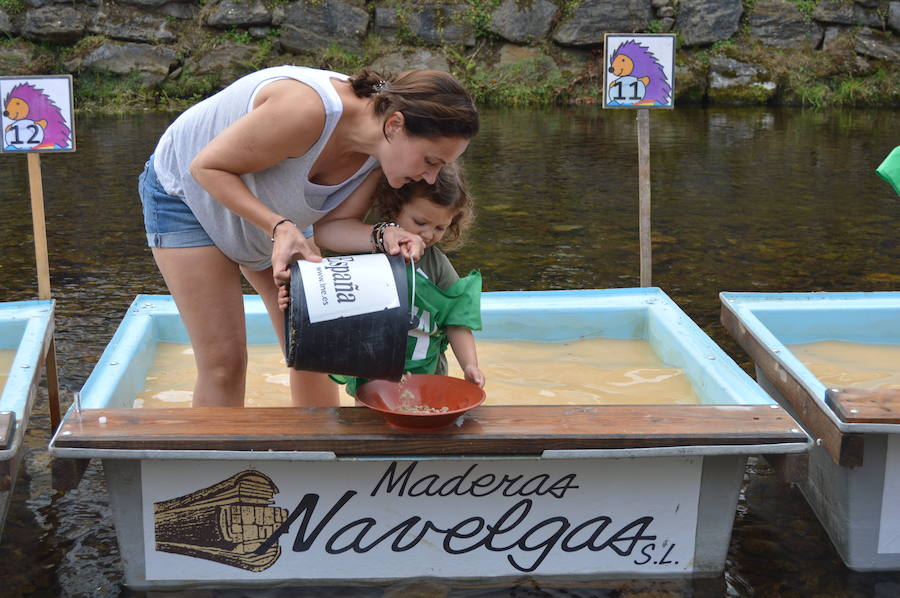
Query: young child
x=448, y=307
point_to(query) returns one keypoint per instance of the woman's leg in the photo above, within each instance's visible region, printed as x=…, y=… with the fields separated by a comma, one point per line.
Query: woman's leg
x=308, y=389
x=206, y=287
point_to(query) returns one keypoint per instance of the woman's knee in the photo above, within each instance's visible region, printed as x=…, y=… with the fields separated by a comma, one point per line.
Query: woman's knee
x=227, y=367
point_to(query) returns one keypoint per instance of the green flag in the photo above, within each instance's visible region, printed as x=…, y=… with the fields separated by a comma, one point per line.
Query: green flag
x=890, y=169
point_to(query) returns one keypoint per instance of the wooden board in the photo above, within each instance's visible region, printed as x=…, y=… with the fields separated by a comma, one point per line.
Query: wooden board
x=845, y=449
x=520, y=430
x=7, y=427
x=860, y=405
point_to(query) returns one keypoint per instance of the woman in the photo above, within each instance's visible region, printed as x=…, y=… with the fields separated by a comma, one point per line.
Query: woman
x=236, y=178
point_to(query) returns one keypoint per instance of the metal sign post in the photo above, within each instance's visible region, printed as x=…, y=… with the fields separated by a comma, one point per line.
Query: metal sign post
x=639, y=73
x=37, y=118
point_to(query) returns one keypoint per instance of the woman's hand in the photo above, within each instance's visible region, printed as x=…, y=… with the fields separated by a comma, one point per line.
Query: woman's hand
x=474, y=375
x=290, y=245
x=397, y=240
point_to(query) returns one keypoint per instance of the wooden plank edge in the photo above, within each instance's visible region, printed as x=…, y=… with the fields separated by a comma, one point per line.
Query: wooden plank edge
x=412, y=446
x=845, y=403
x=375, y=437
x=845, y=449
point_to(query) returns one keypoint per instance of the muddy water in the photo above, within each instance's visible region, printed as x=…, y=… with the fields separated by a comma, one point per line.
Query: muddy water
x=599, y=371
x=6, y=359
x=840, y=364
x=170, y=379
x=743, y=200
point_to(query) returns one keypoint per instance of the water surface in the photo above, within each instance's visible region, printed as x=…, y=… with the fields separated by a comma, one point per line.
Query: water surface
x=743, y=200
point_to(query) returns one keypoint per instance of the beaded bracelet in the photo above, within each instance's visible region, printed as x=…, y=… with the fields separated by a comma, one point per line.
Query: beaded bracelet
x=377, y=236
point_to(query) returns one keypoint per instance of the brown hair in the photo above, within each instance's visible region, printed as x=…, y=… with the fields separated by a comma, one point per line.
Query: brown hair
x=433, y=103
x=449, y=190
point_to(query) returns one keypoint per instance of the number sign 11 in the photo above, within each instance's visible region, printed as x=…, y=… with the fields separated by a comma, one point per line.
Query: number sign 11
x=37, y=114
x=638, y=70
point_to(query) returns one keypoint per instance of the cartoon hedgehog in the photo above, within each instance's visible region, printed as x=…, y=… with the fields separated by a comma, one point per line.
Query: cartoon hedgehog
x=631, y=59
x=26, y=101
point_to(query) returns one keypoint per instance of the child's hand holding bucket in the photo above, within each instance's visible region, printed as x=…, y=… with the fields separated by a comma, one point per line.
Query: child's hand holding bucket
x=397, y=240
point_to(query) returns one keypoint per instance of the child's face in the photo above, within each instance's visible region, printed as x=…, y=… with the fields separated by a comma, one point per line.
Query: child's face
x=426, y=219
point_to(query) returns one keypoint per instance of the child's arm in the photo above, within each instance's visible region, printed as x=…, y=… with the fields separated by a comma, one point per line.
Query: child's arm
x=463, y=344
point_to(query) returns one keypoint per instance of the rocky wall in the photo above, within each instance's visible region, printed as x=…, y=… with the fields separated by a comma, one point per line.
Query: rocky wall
x=728, y=50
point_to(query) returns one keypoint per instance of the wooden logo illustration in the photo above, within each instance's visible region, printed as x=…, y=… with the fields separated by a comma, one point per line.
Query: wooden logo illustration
x=225, y=522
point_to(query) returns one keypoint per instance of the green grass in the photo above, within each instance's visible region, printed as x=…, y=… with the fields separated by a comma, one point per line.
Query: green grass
x=96, y=91
x=241, y=36
x=13, y=7
x=338, y=59
x=529, y=82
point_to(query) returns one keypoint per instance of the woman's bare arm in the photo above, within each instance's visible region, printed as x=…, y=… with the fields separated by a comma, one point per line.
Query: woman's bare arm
x=286, y=123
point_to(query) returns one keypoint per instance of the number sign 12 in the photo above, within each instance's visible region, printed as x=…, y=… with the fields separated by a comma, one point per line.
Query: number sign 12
x=37, y=114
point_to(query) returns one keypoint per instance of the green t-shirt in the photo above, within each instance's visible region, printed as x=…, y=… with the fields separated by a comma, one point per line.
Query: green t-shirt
x=442, y=299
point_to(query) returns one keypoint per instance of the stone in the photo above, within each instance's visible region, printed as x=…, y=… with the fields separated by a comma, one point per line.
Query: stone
x=704, y=22
x=122, y=58
x=845, y=13
x=20, y=58
x=893, y=19
x=239, y=13
x=54, y=24
x=780, y=23
x=735, y=82
x=657, y=4
x=226, y=63
x=6, y=24
x=836, y=36
x=259, y=32
x=691, y=79
x=145, y=3
x=511, y=54
x=178, y=10
x=574, y=59
x=414, y=58
x=520, y=22
x=666, y=24
x=590, y=20
x=880, y=45
x=131, y=25
x=40, y=3
x=313, y=26
x=665, y=11
x=433, y=24
x=277, y=15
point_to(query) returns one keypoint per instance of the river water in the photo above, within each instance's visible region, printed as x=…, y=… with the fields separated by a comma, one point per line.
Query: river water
x=743, y=200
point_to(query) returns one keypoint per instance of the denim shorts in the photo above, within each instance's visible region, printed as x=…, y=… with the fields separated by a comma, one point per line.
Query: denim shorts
x=168, y=221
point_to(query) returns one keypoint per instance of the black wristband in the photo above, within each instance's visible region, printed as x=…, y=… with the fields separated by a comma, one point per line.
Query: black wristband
x=279, y=223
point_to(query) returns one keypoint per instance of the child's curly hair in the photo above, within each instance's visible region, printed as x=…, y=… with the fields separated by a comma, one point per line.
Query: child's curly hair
x=449, y=190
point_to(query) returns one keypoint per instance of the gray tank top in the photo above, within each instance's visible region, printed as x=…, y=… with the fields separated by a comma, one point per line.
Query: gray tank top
x=285, y=187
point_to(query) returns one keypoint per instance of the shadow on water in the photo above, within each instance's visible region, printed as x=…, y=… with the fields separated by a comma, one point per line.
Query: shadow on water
x=743, y=199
